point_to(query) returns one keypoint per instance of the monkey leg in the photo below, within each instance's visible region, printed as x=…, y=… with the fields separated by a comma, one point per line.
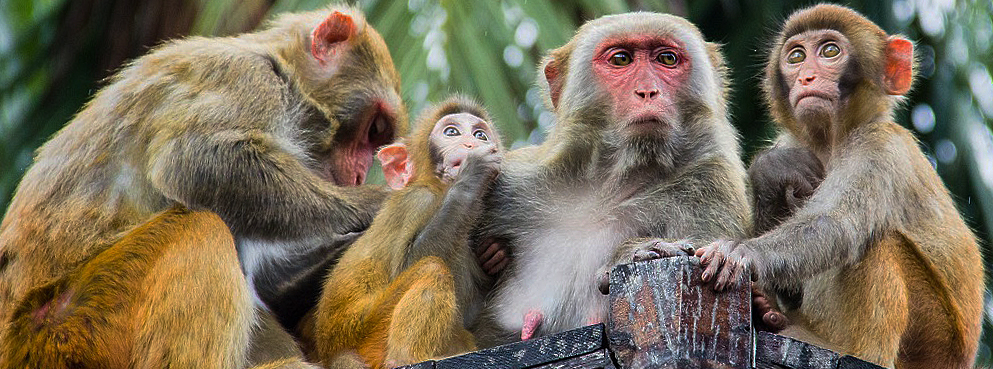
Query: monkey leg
x=169, y=294
x=272, y=346
x=861, y=310
x=426, y=322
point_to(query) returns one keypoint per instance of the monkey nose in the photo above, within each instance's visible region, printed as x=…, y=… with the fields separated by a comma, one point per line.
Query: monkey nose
x=805, y=80
x=646, y=93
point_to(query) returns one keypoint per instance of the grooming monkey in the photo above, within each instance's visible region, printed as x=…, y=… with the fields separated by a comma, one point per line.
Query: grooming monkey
x=272, y=131
x=642, y=147
x=877, y=263
x=406, y=290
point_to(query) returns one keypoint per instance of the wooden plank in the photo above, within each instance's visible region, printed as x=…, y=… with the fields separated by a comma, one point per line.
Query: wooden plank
x=530, y=353
x=663, y=316
x=781, y=350
x=773, y=349
x=595, y=359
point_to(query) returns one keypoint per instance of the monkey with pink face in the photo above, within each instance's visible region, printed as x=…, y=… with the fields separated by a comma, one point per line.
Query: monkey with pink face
x=643, y=162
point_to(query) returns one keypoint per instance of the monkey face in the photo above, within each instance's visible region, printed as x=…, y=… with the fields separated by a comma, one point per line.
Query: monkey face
x=813, y=64
x=642, y=75
x=456, y=135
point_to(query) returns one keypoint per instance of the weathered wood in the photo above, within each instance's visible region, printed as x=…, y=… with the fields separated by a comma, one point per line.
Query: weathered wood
x=539, y=351
x=597, y=359
x=772, y=350
x=663, y=316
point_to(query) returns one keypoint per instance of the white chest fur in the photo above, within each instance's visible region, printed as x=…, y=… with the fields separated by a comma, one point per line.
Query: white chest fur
x=556, y=268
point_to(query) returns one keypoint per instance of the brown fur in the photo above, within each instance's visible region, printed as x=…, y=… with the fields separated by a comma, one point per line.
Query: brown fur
x=252, y=128
x=405, y=291
x=566, y=207
x=878, y=262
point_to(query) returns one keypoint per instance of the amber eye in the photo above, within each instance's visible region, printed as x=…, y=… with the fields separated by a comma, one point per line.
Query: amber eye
x=621, y=58
x=480, y=135
x=451, y=131
x=830, y=51
x=667, y=58
x=796, y=56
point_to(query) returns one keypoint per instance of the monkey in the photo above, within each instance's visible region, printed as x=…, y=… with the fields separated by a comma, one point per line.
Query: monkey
x=642, y=147
x=272, y=131
x=407, y=289
x=878, y=259
x=781, y=181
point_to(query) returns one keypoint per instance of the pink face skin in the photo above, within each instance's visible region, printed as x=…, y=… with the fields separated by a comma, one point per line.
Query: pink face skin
x=642, y=74
x=813, y=63
x=454, y=136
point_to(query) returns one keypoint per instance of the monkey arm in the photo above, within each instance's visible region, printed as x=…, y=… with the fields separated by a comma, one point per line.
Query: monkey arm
x=449, y=230
x=858, y=201
x=702, y=204
x=257, y=186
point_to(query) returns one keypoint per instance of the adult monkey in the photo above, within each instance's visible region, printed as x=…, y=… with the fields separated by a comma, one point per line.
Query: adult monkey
x=642, y=148
x=269, y=130
x=878, y=261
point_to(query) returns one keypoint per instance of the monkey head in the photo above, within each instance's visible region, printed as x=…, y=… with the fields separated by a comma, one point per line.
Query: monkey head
x=343, y=69
x=445, y=137
x=456, y=135
x=644, y=72
x=832, y=68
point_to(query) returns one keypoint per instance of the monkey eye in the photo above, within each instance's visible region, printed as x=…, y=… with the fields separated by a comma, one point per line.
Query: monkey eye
x=796, y=56
x=620, y=58
x=830, y=50
x=667, y=58
x=480, y=135
x=451, y=131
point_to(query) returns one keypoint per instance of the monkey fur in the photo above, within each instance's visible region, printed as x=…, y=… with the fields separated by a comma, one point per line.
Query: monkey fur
x=271, y=131
x=877, y=263
x=408, y=288
x=565, y=208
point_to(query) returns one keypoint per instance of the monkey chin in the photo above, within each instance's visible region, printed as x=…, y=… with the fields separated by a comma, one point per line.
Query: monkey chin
x=816, y=119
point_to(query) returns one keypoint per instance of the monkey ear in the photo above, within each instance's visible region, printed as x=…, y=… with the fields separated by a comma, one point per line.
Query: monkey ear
x=397, y=168
x=553, y=74
x=336, y=28
x=899, y=65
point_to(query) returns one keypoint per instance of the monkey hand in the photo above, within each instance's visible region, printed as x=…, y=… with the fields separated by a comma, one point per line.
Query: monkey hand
x=641, y=249
x=782, y=180
x=481, y=166
x=765, y=316
x=727, y=262
x=493, y=256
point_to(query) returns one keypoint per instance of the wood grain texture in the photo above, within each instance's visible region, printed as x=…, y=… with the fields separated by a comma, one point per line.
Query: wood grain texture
x=663, y=316
x=775, y=351
x=531, y=353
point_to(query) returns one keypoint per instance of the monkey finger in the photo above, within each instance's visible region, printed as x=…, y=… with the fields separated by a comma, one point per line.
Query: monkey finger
x=492, y=262
x=714, y=264
x=498, y=268
x=486, y=251
x=642, y=255
x=603, y=282
x=775, y=321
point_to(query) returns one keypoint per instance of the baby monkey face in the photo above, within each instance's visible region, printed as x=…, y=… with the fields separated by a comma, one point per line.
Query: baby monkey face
x=454, y=137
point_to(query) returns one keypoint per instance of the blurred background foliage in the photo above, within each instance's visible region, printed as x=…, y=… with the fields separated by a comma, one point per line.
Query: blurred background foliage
x=55, y=54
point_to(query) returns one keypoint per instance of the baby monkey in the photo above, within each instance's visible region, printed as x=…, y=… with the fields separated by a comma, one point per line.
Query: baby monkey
x=408, y=288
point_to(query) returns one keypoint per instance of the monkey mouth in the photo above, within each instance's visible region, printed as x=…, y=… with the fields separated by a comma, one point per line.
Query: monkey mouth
x=813, y=93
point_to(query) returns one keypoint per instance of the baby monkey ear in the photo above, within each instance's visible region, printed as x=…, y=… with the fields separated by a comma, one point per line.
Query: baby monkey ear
x=899, y=65
x=336, y=28
x=397, y=168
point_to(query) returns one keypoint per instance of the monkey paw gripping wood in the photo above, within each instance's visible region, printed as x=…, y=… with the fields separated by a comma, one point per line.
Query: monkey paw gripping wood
x=662, y=316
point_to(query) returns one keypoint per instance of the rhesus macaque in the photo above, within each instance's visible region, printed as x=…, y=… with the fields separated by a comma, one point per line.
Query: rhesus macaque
x=407, y=289
x=878, y=262
x=272, y=131
x=642, y=147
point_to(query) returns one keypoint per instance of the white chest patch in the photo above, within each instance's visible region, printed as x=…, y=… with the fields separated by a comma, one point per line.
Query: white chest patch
x=557, y=269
